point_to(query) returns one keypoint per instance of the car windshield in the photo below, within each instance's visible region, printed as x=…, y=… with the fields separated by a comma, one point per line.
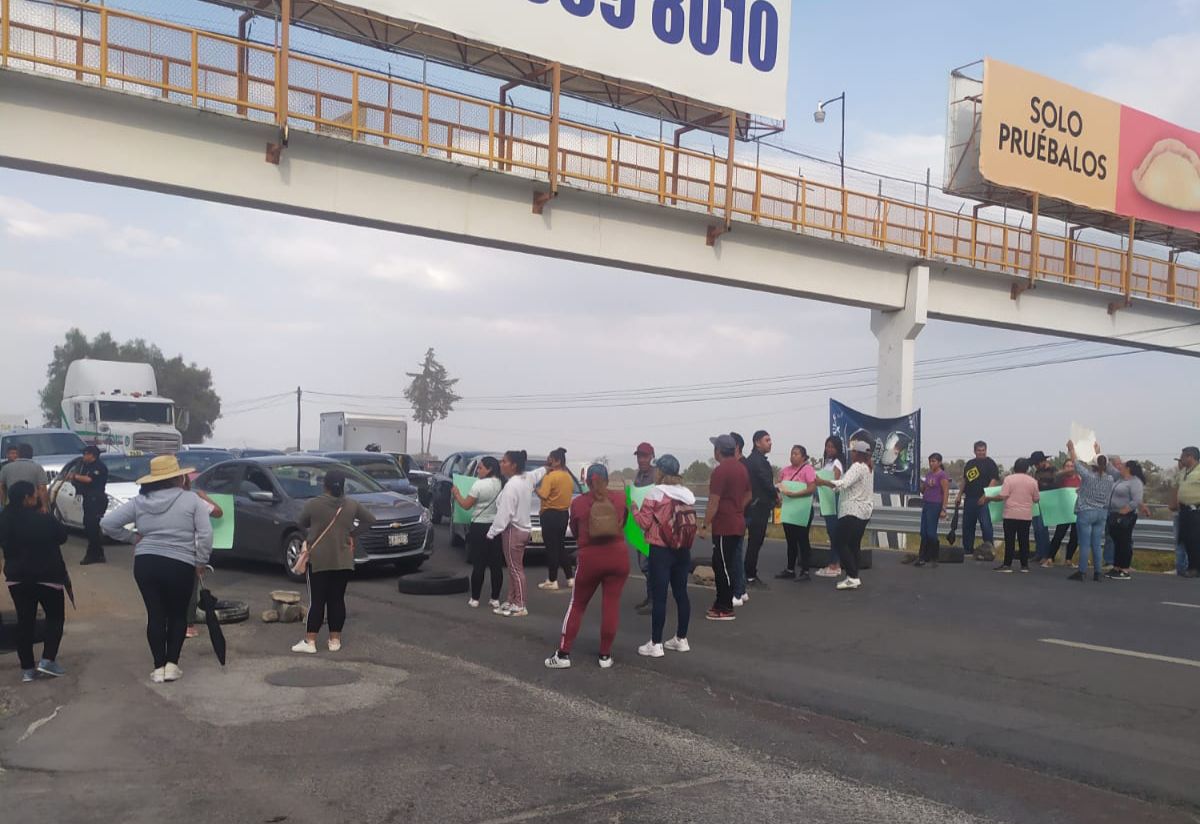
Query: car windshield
x=378, y=469
x=202, y=459
x=260, y=453
x=126, y=468
x=135, y=412
x=45, y=443
x=305, y=481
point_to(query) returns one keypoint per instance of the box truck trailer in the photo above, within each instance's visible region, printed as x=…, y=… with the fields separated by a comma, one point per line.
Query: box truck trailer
x=347, y=432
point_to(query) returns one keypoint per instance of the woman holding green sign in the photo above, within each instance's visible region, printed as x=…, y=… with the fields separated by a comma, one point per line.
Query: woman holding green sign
x=484, y=553
x=797, y=483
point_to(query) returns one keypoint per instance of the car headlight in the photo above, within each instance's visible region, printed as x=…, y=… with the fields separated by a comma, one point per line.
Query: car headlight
x=113, y=503
x=425, y=517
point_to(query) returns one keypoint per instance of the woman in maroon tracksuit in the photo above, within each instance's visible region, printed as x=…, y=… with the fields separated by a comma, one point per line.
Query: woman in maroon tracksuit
x=602, y=562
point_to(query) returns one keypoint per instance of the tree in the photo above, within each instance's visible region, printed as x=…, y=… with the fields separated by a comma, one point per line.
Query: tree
x=697, y=473
x=185, y=383
x=431, y=394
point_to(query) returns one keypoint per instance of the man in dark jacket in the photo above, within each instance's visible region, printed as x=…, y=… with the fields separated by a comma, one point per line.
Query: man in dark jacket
x=36, y=575
x=763, y=498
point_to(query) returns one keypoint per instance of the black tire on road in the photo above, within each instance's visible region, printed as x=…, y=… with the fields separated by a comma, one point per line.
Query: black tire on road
x=433, y=583
x=292, y=543
x=228, y=612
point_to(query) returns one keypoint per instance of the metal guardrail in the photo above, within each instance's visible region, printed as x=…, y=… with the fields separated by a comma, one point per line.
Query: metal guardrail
x=1152, y=535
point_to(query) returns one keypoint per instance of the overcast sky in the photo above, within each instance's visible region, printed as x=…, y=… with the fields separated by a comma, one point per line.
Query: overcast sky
x=270, y=302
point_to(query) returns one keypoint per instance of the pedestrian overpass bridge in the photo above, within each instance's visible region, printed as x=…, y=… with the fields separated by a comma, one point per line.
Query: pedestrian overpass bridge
x=104, y=95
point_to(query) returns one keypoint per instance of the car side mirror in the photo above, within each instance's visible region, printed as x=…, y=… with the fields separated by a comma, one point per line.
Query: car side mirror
x=263, y=497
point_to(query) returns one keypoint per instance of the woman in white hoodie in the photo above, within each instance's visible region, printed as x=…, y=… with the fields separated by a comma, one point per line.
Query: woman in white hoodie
x=664, y=515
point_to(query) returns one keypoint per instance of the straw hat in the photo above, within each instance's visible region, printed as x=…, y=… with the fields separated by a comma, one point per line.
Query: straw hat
x=163, y=468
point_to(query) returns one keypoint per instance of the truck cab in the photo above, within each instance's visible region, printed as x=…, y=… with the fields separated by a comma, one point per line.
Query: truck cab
x=116, y=406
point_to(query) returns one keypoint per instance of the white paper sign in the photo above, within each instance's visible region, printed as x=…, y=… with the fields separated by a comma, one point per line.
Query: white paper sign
x=731, y=53
x=1085, y=443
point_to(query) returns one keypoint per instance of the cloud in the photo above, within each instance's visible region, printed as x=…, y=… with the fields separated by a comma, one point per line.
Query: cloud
x=1157, y=77
x=22, y=220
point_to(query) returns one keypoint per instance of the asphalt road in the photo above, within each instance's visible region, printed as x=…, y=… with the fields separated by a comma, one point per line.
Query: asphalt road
x=928, y=695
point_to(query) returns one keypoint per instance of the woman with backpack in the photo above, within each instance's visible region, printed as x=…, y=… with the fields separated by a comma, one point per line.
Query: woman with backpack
x=598, y=522
x=668, y=515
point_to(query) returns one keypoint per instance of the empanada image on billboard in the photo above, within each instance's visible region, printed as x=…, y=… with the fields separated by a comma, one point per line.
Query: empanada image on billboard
x=1170, y=176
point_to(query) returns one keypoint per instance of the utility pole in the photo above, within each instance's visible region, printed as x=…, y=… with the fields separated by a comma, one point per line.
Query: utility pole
x=299, y=394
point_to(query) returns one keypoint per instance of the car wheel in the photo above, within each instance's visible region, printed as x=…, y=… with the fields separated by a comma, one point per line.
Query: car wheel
x=293, y=543
x=433, y=583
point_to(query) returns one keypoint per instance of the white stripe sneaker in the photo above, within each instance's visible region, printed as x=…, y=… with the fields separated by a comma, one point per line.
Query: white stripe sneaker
x=849, y=583
x=651, y=650
x=677, y=644
x=556, y=661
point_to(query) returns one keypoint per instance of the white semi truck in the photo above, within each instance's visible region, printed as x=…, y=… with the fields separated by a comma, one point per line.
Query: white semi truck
x=347, y=432
x=116, y=406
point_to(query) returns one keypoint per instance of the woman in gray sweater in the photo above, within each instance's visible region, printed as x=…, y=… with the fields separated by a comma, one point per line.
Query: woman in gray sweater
x=173, y=542
x=1123, y=506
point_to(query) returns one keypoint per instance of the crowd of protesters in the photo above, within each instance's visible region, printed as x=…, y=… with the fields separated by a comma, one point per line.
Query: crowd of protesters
x=170, y=528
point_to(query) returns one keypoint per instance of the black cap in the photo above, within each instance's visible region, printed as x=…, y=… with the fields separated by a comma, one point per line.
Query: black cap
x=92, y=449
x=1038, y=457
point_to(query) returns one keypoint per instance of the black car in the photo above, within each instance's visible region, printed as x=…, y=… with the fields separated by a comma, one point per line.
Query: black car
x=441, y=504
x=385, y=469
x=270, y=492
x=417, y=476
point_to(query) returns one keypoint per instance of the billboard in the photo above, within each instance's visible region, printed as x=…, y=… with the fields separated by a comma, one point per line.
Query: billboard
x=1040, y=135
x=729, y=53
x=895, y=444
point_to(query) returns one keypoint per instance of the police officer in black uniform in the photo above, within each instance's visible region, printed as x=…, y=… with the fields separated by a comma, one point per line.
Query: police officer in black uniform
x=89, y=485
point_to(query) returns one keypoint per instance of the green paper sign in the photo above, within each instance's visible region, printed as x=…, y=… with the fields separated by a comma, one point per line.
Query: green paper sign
x=463, y=484
x=826, y=496
x=796, y=511
x=995, y=508
x=1058, y=506
x=637, y=494
x=223, y=526
x=633, y=533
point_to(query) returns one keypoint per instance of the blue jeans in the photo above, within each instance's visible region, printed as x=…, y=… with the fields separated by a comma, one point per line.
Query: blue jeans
x=1089, y=523
x=974, y=513
x=931, y=513
x=1041, y=537
x=670, y=567
x=831, y=529
x=644, y=566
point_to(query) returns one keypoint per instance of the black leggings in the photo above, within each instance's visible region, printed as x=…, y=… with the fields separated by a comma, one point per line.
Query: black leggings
x=327, y=592
x=1017, y=531
x=798, y=546
x=1122, y=541
x=166, y=587
x=850, y=531
x=26, y=598
x=1060, y=532
x=554, y=533
x=485, y=554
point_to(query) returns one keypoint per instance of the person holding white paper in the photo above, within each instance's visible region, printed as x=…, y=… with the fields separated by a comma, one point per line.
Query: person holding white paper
x=1091, y=510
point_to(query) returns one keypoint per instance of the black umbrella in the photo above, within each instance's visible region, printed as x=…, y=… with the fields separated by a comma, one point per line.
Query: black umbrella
x=950, y=538
x=208, y=603
x=70, y=590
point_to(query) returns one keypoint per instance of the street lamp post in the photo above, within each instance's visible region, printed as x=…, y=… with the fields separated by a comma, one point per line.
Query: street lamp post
x=819, y=117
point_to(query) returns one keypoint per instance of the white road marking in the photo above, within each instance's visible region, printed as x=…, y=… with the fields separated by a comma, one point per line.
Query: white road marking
x=37, y=725
x=1167, y=659
x=1177, y=604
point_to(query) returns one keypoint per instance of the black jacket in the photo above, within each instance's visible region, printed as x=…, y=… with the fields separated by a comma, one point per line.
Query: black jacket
x=31, y=542
x=763, y=494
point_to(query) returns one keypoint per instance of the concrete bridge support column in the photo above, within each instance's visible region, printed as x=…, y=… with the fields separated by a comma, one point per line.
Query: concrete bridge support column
x=897, y=330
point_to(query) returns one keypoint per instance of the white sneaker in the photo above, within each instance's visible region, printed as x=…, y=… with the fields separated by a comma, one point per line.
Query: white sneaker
x=515, y=612
x=158, y=675
x=172, y=672
x=335, y=645
x=849, y=583
x=548, y=585
x=737, y=602
x=570, y=583
x=605, y=662
x=473, y=604
x=556, y=661
x=651, y=650
x=305, y=645
x=745, y=598
x=677, y=644
x=494, y=604
x=826, y=572
x=500, y=609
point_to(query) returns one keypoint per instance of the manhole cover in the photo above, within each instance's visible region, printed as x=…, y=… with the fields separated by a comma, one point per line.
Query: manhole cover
x=312, y=677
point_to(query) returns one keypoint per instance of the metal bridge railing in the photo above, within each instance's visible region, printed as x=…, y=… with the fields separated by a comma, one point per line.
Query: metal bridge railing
x=136, y=54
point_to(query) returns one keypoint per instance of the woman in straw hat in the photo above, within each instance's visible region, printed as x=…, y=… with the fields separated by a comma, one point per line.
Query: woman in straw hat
x=173, y=543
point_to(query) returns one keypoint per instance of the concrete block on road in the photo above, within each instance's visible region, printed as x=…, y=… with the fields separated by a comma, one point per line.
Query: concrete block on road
x=704, y=576
x=950, y=554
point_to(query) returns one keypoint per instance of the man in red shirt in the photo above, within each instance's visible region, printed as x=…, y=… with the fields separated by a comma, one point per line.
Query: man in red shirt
x=724, y=516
